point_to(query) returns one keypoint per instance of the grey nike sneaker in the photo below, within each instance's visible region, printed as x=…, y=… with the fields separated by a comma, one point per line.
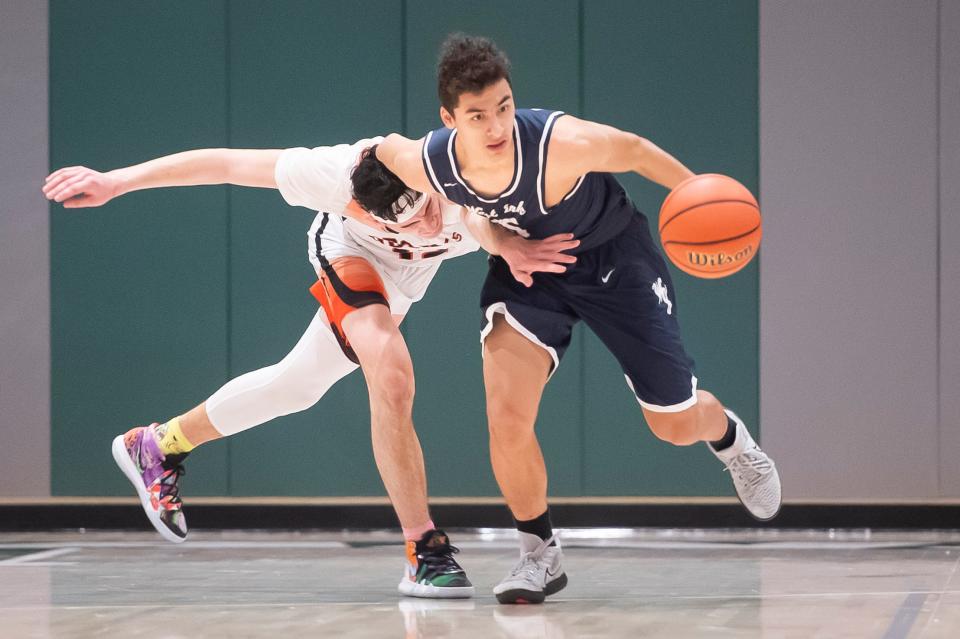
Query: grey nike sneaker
x=536, y=575
x=754, y=475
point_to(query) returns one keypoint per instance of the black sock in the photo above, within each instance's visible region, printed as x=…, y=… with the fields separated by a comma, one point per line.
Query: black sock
x=728, y=438
x=540, y=526
x=172, y=461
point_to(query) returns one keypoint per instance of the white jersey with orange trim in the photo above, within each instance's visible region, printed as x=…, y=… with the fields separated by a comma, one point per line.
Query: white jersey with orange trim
x=319, y=179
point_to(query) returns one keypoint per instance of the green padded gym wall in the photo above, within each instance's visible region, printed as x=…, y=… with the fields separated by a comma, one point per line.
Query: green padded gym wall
x=161, y=296
x=138, y=326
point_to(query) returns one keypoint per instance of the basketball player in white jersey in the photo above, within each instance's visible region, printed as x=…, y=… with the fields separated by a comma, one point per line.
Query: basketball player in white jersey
x=375, y=245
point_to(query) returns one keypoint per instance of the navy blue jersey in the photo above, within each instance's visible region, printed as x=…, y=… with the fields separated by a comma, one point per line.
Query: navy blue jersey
x=595, y=210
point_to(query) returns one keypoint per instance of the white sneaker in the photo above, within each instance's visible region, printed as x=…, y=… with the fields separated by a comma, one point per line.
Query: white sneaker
x=754, y=475
x=536, y=575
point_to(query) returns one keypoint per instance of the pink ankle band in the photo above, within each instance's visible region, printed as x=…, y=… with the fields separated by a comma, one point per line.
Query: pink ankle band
x=415, y=533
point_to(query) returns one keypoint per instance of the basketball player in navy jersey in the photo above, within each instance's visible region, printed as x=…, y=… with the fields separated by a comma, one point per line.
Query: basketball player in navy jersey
x=538, y=173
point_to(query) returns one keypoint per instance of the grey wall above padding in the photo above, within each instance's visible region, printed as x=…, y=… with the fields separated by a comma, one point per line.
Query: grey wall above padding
x=950, y=248
x=24, y=252
x=848, y=295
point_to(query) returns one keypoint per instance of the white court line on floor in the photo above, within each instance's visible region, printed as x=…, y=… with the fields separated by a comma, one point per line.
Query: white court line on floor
x=617, y=544
x=186, y=545
x=785, y=595
x=34, y=556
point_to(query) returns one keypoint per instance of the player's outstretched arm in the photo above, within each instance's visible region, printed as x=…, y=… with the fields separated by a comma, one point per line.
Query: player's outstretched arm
x=403, y=156
x=579, y=147
x=524, y=257
x=79, y=186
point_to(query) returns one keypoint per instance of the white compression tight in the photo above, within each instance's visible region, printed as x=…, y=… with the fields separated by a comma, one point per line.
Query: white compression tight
x=293, y=384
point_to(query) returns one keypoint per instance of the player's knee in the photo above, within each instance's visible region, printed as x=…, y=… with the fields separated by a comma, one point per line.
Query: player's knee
x=393, y=389
x=510, y=423
x=680, y=429
x=509, y=436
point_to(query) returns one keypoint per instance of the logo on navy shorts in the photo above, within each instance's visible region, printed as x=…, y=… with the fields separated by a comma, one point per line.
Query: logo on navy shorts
x=660, y=289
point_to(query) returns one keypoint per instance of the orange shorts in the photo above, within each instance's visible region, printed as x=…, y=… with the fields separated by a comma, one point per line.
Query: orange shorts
x=346, y=284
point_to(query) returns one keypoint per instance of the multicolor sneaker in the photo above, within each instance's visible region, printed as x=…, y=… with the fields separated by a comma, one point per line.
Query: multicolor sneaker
x=156, y=479
x=537, y=574
x=754, y=475
x=431, y=570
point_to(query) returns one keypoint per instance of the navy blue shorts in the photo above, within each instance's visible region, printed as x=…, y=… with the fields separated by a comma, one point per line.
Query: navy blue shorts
x=623, y=292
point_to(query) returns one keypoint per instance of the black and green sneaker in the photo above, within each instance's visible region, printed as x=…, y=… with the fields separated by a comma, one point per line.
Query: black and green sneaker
x=431, y=570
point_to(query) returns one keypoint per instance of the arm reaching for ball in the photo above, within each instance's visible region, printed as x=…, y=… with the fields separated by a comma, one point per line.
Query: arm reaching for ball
x=81, y=187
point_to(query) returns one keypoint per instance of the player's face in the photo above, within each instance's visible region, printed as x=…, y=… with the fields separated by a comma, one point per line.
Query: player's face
x=427, y=223
x=484, y=120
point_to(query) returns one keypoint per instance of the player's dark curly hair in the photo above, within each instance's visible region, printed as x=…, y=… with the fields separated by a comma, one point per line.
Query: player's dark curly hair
x=376, y=188
x=468, y=64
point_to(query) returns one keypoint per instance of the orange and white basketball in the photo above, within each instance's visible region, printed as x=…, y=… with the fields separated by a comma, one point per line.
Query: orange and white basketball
x=710, y=226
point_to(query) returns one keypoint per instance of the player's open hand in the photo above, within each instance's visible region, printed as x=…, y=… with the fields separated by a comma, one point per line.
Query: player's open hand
x=526, y=257
x=78, y=187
